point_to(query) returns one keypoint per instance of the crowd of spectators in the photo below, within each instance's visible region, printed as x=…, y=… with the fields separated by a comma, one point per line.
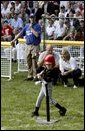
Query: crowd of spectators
x=15, y=14
x=64, y=19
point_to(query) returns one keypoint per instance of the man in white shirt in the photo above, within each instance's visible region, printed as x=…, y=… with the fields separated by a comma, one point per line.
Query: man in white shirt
x=50, y=29
x=68, y=68
x=17, y=22
x=5, y=9
x=60, y=30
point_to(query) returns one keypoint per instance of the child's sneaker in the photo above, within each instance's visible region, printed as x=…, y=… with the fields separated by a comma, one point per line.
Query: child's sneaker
x=75, y=87
x=65, y=85
x=35, y=114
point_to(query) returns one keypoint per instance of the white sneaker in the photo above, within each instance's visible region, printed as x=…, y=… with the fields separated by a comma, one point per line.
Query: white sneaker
x=75, y=87
x=65, y=85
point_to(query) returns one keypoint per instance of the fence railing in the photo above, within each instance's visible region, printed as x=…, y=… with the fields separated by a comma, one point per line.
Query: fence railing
x=76, y=49
x=6, y=55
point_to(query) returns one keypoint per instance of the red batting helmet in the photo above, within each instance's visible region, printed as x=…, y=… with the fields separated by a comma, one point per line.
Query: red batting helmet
x=49, y=59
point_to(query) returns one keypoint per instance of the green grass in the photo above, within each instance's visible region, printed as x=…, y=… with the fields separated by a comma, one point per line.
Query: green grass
x=18, y=98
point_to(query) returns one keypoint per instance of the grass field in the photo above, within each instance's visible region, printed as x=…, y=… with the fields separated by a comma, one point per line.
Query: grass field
x=18, y=99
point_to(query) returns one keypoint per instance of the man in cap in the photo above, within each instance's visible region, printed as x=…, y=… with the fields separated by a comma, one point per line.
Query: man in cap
x=32, y=33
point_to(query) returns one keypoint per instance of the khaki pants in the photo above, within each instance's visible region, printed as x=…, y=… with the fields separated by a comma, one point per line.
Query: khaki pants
x=31, y=56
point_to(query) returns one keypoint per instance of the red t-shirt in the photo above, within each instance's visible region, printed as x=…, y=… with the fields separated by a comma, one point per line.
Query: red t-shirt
x=6, y=30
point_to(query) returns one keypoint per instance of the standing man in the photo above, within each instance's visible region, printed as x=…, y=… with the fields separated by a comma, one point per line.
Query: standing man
x=32, y=33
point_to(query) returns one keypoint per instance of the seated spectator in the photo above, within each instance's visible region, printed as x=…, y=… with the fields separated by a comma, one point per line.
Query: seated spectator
x=29, y=5
x=13, y=4
x=69, y=68
x=48, y=7
x=49, y=50
x=41, y=22
x=5, y=8
x=61, y=15
x=9, y=18
x=17, y=22
x=71, y=15
x=82, y=13
x=81, y=6
x=68, y=8
x=50, y=29
x=68, y=27
x=76, y=23
x=12, y=11
x=56, y=7
x=62, y=10
x=78, y=13
x=60, y=30
x=65, y=4
x=82, y=25
x=17, y=5
x=6, y=32
x=56, y=20
x=79, y=35
x=70, y=35
x=38, y=11
x=23, y=15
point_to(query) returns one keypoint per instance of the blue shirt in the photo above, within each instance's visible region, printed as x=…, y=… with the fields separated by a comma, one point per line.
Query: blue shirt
x=29, y=36
x=17, y=23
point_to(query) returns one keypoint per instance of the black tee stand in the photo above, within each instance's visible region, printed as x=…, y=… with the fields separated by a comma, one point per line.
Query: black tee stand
x=47, y=103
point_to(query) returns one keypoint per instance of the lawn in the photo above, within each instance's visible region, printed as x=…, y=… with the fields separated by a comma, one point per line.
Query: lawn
x=18, y=98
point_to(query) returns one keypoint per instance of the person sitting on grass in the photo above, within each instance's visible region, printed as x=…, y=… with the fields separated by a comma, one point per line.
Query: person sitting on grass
x=47, y=75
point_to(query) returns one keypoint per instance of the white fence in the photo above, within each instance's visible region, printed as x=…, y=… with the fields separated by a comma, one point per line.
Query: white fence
x=76, y=49
x=6, y=64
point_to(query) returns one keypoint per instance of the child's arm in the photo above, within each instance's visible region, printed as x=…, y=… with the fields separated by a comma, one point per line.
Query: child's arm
x=40, y=75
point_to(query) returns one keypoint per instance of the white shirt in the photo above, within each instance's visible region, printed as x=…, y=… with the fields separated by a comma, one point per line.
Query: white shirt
x=64, y=3
x=17, y=23
x=50, y=30
x=17, y=7
x=56, y=23
x=4, y=11
x=59, y=31
x=67, y=65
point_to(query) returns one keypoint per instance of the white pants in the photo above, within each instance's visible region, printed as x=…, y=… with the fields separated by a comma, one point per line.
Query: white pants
x=20, y=51
x=7, y=53
x=43, y=93
x=14, y=53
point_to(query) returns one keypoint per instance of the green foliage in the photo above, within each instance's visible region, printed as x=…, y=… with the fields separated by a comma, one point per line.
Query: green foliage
x=18, y=98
